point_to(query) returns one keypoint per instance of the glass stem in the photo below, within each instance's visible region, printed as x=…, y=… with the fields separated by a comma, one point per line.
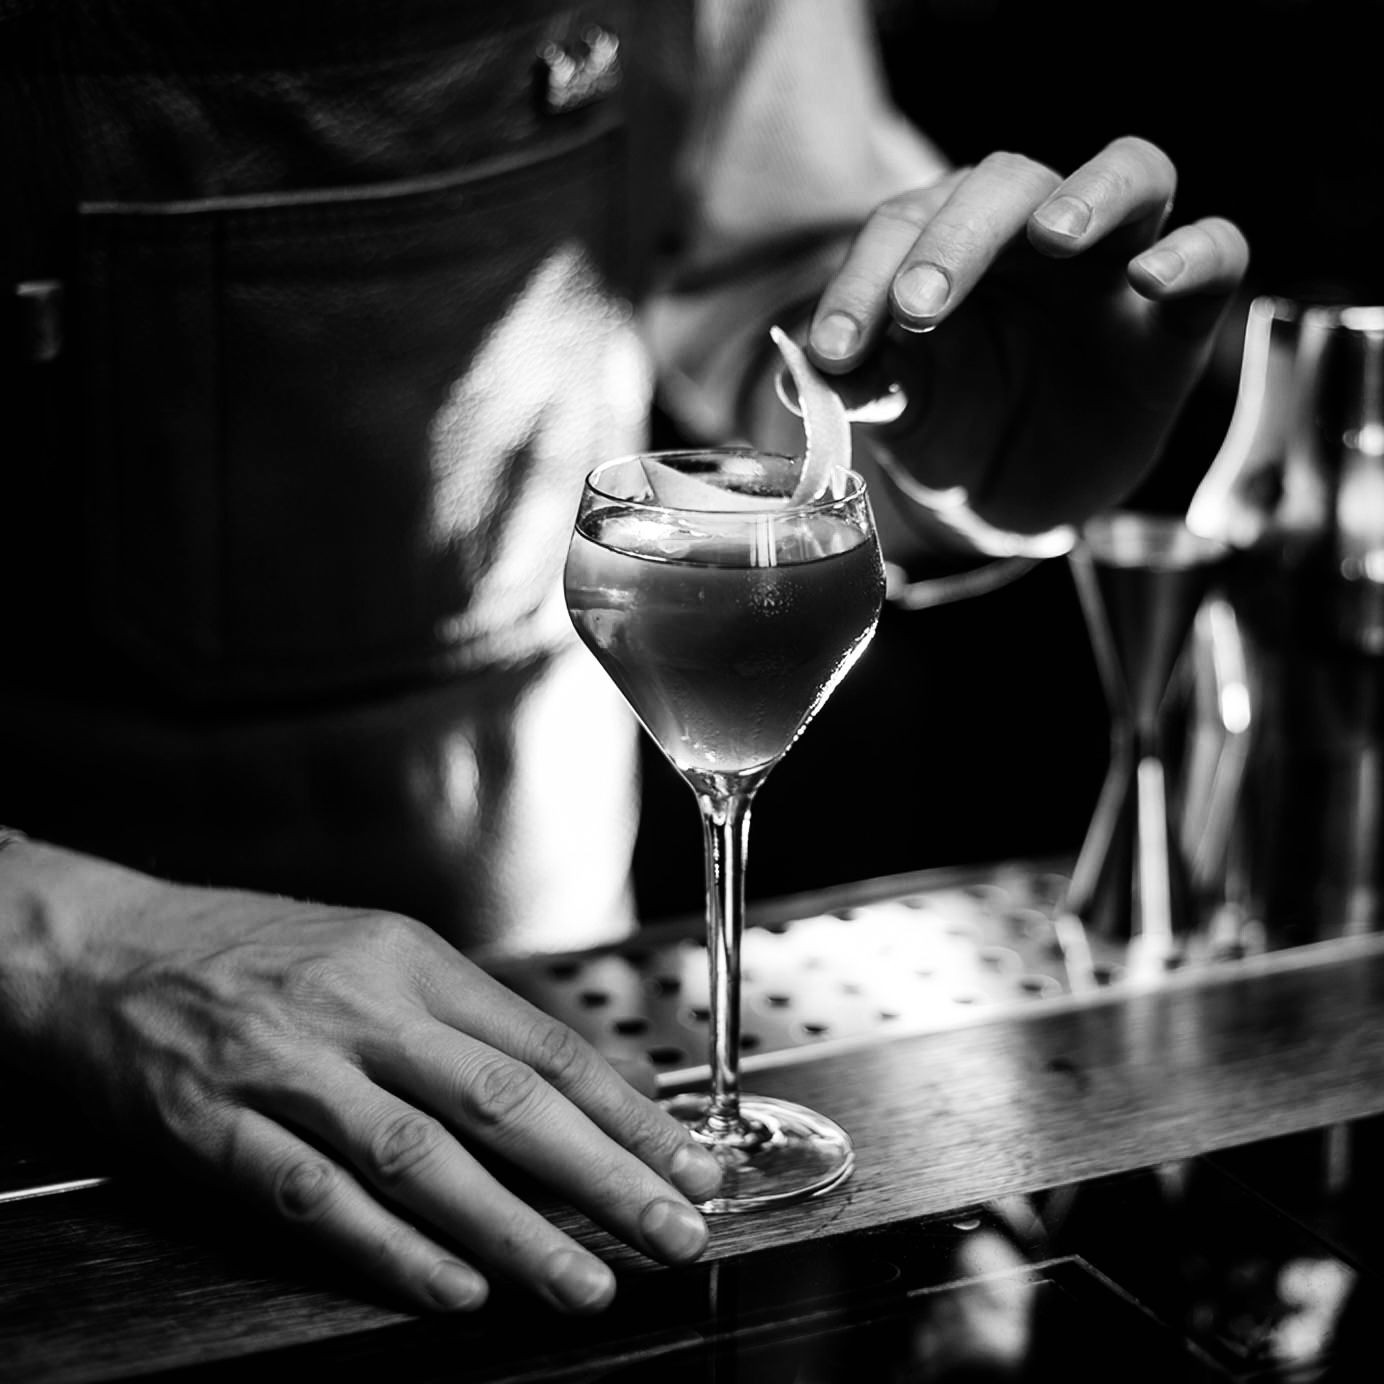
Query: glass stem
x=725, y=834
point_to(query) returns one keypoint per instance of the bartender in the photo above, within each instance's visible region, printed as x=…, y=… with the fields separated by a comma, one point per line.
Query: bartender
x=318, y=315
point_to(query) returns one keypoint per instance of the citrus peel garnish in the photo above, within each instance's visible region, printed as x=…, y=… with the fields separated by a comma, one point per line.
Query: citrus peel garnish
x=826, y=428
x=678, y=490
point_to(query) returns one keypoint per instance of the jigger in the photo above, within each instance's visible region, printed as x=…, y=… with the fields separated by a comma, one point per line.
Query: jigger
x=1141, y=579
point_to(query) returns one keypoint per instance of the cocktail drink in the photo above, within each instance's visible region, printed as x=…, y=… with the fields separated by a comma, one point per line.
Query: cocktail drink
x=726, y=608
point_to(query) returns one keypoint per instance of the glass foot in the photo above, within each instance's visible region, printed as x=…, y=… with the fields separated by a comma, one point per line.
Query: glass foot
x=776, y=1153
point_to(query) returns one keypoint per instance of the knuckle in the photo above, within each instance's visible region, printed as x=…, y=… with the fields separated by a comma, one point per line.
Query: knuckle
x=404, y=1255
x=379, y=940
x=402, y=1144
x=1221, y=232
x=903, y=208
x=182, y=1104
x=305, y=1189
x=411, y=1034
x=1144, y=149
x=1133, y=159
x=1002, y=161
x=499, y=1089
x=614, y=1179
x=392, y=934
x=1012, y=167
x=519, y=1240
x=851, y=292
x=953, y=247
x=1110, y=185
x=1199, y=241
x=559, y=1053
x=362, y=946
x=307, y=979
x=656, y=1140
x=1196, y=243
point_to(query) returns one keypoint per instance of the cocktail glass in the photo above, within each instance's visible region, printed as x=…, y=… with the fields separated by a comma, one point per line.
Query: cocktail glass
x=726, y=611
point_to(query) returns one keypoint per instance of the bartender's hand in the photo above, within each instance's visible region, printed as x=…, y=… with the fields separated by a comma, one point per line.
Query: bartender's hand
x=1071, y=324
x=349, y=1071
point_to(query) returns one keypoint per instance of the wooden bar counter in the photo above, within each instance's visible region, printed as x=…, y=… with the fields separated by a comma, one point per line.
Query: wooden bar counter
x=128, y=1275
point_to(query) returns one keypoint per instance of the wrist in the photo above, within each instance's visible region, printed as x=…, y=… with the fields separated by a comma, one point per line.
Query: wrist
x=51, y=900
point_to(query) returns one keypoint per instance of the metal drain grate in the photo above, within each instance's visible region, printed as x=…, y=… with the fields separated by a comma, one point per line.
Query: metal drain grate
x=923, y=958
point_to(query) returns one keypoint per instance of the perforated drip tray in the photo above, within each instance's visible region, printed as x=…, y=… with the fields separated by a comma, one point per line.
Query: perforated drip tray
x=929, y=953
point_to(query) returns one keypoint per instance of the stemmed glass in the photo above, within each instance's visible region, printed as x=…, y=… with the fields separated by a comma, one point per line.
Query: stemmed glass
x=726, y=610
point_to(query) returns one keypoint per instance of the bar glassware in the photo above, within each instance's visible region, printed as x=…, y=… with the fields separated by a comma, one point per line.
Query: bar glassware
x=1141, y=579
x=726, y=610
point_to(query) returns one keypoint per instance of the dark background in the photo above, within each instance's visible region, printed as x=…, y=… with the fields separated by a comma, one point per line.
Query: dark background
x=978, y=732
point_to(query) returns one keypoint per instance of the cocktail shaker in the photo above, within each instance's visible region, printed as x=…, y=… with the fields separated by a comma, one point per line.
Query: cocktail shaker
x=1287, y=656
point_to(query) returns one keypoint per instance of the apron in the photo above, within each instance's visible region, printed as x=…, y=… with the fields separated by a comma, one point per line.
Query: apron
x=323, y=311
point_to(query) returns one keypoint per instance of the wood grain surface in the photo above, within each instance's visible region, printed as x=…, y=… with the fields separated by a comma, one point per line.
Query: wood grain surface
x=144, y=1274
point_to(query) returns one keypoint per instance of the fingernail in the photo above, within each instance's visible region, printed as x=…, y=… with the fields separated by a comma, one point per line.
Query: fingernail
x=455, y=1287
x=1163, y=265
x=922, y=290
x=695, y=1172
x=580, y=1283
x=835, y=336
x=1067, y=216
x=677, y=1231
